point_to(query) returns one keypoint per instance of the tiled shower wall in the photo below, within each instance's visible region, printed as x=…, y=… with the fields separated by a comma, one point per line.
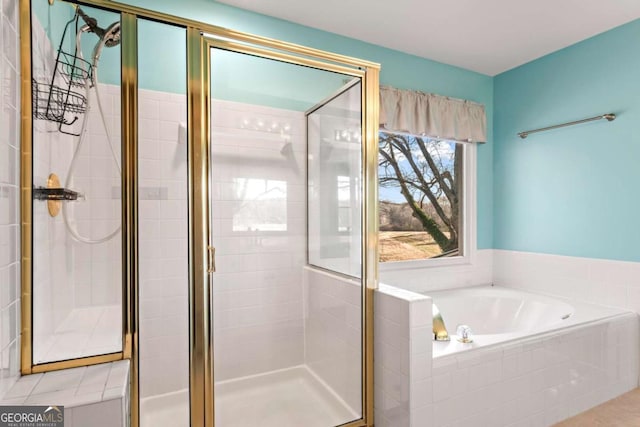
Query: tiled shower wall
x=53, y=287
x=258, y=168
x=333, y=333
x=73, y=275
x=97, y=267
x=68, y=274
x=163, y=252
x=9, y=195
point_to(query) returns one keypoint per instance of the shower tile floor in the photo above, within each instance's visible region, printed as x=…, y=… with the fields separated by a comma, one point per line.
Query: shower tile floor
x=84, y=332
x=290, y=397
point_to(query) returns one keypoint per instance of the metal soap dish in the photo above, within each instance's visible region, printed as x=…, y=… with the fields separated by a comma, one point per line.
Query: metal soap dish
x=58, y=194
x=54, y=194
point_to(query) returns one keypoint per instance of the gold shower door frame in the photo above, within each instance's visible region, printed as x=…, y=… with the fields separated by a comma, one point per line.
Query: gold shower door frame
x=201, y=37
x=298, y=55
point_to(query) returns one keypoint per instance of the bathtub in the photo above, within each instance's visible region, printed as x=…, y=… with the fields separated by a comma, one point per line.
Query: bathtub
x=499, y=315
x=535, y=360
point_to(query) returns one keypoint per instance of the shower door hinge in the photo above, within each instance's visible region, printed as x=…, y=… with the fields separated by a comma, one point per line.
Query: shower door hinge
x=211, y=268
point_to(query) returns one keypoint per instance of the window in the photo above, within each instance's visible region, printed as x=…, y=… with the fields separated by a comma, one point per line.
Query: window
x=260, y=205
x=345, y=211
x=421, y=197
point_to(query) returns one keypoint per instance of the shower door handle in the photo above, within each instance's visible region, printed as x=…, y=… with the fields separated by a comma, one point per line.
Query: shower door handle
x=212, y=260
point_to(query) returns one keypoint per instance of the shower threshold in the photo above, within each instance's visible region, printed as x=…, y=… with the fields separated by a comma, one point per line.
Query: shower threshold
x=287, y=397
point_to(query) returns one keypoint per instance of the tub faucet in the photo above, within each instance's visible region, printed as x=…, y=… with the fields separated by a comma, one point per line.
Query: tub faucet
x=439, y=330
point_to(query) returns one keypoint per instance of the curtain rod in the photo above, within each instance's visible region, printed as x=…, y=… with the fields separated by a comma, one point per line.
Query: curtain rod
x=609, y=116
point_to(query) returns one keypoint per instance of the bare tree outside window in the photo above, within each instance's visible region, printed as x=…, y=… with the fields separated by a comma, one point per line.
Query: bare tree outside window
x=420, y=197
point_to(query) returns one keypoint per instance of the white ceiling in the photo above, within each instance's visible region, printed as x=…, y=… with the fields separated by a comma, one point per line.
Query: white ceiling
x=487, y=36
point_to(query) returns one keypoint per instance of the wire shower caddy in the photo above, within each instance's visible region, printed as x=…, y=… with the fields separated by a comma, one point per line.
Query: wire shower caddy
x=60, y=100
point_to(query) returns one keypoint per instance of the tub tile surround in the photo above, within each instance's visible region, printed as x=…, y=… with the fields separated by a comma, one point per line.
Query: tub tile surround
x=96, y=396
x=9, y=195
x=403, y=332
x=476, y=271
x=537, y=380
x=598, y=281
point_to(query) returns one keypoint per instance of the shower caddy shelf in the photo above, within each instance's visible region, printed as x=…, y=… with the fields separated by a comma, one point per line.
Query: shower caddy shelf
x=57, y=194
x=63, y=104
x=54, y=194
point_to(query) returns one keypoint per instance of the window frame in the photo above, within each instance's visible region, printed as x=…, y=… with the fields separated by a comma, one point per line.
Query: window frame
x=469, y=222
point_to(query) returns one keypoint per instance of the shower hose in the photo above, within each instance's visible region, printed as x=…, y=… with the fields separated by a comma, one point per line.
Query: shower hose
x=93, y=81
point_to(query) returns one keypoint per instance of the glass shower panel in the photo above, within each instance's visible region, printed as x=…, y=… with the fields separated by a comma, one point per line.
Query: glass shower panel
x=77, y=243
x=163, y=182
x=335, y=141
x=281, y=356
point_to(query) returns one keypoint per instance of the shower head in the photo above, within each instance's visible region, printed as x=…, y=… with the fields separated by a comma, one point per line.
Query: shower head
x=111, y=36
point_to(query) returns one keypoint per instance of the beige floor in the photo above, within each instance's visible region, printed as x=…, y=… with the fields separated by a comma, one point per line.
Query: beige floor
x=623, y=411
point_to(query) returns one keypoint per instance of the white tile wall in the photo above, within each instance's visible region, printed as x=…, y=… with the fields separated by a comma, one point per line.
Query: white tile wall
x=97, y=268
x=68, y=274
x=333, y=333
x=53, y=281
x=536, y=382
x=403, y=333
x=478, y=271
x=9, y=195
x=599, y=281
x=95, y=277
x=163, y=252
x=258, y=324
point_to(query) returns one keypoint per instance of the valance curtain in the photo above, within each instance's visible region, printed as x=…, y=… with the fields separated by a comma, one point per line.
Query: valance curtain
x=436, y=116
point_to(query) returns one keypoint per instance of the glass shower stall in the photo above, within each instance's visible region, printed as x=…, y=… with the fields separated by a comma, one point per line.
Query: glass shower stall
x=201, y=202
x=286, y=226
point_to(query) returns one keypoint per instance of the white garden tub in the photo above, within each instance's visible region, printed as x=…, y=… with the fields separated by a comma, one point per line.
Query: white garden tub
x=497, y=315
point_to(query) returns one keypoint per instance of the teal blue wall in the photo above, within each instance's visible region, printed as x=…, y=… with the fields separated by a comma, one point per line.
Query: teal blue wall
x=571, y=191
x=162, y=50
x=260, y=81
x=398, y=69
